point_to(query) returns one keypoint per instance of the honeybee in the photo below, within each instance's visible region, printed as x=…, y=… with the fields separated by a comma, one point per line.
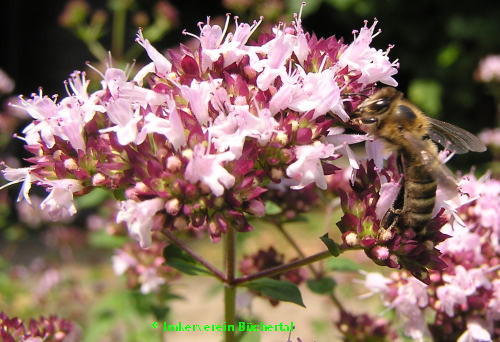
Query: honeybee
x=406, y=130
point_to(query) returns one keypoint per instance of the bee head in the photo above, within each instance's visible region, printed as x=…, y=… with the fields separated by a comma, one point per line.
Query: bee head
x=375, y=108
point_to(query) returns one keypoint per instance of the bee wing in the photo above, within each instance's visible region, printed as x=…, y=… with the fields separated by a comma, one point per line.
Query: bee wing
x=431, y=162
x=454, y=138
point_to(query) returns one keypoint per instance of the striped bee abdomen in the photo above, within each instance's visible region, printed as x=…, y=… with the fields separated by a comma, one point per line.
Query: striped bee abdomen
x=419, y=197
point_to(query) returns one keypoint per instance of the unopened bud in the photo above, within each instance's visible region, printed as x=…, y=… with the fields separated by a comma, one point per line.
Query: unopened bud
x=140, y=187
x=384, y=235
x=276, y=174
x=380, y=252
x=351, y=239
x=173, y=164
x=98, y=179
x=282, y=138
x=257, y=208
x=70, y=164
x=173, y=206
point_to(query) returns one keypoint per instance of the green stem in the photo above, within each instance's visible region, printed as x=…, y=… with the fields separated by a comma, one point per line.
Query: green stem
x=118, y=34
x=270, y=272
x=313, y=270
x=229, y=288
x=295, y=246
x=194, y=255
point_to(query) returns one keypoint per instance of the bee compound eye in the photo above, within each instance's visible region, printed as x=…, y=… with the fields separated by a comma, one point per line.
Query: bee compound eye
x=368, y=121
x=381, y=104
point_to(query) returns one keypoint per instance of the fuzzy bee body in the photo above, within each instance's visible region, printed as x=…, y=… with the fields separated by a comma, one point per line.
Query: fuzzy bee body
x=406, y=130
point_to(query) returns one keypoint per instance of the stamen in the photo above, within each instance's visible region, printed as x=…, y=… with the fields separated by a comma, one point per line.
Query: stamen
x=302, y=5
x=255, y=25
x=186, y=33
x=225, y=29
x=129, y=68
x=95, y=69
x=66, y=87
x=323, y=62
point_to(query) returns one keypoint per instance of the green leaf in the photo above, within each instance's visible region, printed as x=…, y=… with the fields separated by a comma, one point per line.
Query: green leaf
x=92, y=199
x=282, y=290
x=321, y=286
x=342, y=265
x=119, y=195
x=180, y=260
x=101, y=239
x=272, y=208
x=333, y=248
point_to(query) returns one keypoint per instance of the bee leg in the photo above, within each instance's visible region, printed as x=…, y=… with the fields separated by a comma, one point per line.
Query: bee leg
x=390, y=218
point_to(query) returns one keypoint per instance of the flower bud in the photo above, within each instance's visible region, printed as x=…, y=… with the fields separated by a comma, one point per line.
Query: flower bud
x=257, y=208
x=70, y=164
x=351, y=239
x=98, y=179
x=173, y=206
x=173, y=163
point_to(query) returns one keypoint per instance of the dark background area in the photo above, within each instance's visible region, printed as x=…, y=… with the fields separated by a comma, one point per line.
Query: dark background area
x=438, y=44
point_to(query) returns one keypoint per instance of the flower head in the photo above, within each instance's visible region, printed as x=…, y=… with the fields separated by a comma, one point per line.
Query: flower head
x=199, y=135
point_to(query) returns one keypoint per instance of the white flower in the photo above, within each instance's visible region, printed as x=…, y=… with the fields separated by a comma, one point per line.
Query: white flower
x=59, y=203
x=307, y=168
x=207, y=168
x=139, y=218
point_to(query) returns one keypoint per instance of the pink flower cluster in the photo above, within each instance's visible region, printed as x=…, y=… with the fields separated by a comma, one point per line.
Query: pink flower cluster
x=144, y=269
x=44, y=329
x=264, y=259
x=197, y=136
x=364, y=203
x=465, y=296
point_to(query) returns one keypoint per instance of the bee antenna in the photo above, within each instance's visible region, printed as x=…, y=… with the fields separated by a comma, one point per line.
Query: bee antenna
x=358, y=94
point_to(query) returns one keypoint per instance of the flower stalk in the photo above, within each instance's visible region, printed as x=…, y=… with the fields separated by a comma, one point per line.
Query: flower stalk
x=214, y=270
x=229, y=288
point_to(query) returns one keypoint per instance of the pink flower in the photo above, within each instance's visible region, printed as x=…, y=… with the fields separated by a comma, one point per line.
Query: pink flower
x=490, y=136
x=489, y=69
x=161, y=63
x=44, y=111
x=17, y=176
x=122, y=261
x=477, y=331
x=198, y=95
x=317, y=91
x=171, y=128
x=307, y=168
x=462, y=241
x=375, y=149
x=59, y=203
x=150, y=281
x=232, y=48
x=388, y=193
x=376, y=283
x=207, y=168
x=278, y=51
x=139, y=218
x=343, y=141
x=230, y=132
x=126, y=118
x=373, y=64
